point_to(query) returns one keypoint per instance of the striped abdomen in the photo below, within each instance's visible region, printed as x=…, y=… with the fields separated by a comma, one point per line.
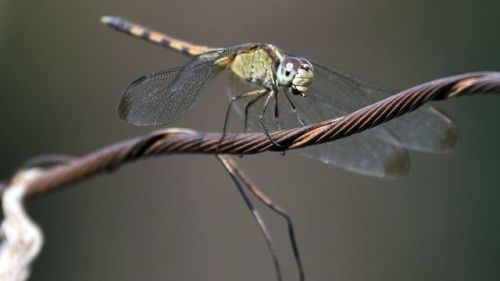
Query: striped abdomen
x=150, y=35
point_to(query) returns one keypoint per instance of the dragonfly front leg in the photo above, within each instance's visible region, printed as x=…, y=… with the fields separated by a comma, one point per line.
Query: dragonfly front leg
x=295, y=112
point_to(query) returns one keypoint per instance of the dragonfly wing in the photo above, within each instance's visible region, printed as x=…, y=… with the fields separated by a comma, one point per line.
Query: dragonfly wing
x=364, y=154
x=162, y=97
x=426, y=129
x=375, y=152
x=380, y=151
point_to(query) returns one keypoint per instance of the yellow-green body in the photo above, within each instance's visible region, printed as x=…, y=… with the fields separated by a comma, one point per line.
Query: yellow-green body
x=255, y=66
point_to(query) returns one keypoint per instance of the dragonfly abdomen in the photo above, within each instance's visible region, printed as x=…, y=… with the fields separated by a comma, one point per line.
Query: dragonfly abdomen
x=150, y=35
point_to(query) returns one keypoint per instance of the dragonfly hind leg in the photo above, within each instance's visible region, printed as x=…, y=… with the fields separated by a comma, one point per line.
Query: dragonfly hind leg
x=257, y=94
x=247, y=107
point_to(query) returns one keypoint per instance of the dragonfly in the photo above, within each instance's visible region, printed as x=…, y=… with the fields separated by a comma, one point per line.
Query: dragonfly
x=309, y=91
x=303, y=91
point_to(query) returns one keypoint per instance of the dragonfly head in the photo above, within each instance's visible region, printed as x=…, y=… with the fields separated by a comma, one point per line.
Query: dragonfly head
x=295, y=73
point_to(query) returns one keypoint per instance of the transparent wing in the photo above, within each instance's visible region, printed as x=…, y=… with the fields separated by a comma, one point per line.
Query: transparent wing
x=426, y=129
x=377, y=152
x=373, y=152
x=162, y=97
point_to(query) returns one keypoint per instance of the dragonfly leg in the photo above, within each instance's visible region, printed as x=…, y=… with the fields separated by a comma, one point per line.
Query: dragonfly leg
x=276, y=113
x=257, y=93
x=263, y=113
x=295, y=112
x=247, y=107
x=277, y=116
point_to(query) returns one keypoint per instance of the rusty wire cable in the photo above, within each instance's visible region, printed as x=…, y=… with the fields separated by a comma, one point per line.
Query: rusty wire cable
x=177, y=140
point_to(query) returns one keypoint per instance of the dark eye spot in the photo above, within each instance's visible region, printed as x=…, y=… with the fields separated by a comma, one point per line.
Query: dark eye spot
x=287, y=73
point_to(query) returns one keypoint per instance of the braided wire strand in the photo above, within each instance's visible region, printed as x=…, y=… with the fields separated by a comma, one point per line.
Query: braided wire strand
x=177, y=140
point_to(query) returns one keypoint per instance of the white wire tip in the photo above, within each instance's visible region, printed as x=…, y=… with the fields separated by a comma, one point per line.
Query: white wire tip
x=21, y=239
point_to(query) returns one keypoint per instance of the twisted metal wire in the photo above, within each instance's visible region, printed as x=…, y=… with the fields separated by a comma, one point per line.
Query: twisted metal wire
x=177, y=140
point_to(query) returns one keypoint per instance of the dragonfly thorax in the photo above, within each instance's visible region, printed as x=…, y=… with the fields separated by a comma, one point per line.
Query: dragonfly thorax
x=255, y=66
x=295, y=73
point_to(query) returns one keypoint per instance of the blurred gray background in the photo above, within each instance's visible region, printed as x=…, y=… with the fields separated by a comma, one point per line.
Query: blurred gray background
x=180, y=217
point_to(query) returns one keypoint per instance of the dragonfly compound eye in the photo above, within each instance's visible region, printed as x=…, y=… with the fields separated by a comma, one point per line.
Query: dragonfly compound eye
x=287, y=70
